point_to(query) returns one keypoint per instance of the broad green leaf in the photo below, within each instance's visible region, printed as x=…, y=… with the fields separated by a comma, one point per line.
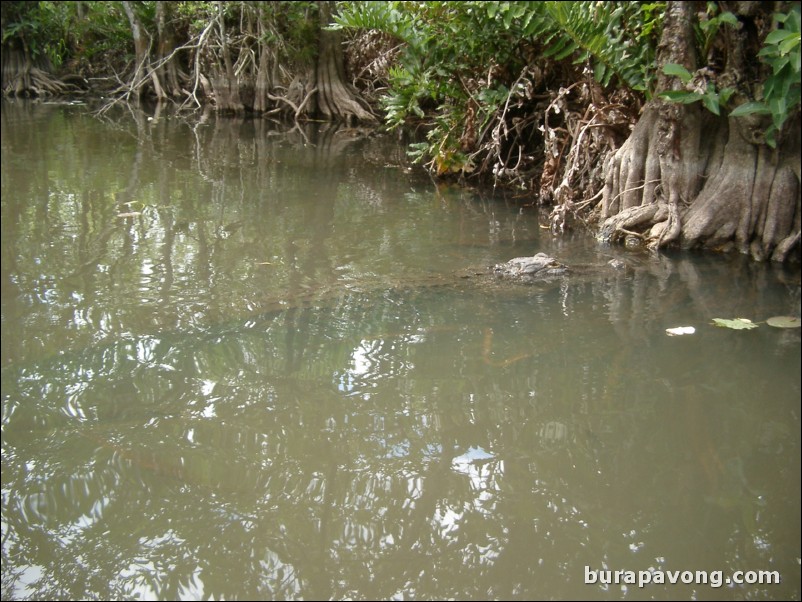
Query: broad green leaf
x=677, y=71
x=736, y=324
x=779, y=35
x=779, y=64
x=748, y=108
x=784, y=322
x=711, y=103
x=729, y=18
x=789, y=44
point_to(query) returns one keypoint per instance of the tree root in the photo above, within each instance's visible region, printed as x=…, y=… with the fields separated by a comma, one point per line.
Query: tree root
x=721, y=191
x=36, y=82
x=617, y=226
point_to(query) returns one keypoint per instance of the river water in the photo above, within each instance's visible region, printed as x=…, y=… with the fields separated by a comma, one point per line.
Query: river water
x=244, y=362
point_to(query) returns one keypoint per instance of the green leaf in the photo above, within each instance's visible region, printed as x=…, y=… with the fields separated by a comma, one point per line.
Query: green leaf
x=710, y=100
x=680, y=96
x=784, y=322
x=507, y=18
x=789, y=44
x=599, y=71
x=728, y=18
x=779, y=35
x=677, y=71
x=736, y=324
x=749, y=108
x=558, y=46
x=778, y=64
x=567, y=51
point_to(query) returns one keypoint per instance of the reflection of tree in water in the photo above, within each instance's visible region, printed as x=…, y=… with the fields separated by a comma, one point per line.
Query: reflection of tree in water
x=154, y=224
x=168, y=464
x=341, y=432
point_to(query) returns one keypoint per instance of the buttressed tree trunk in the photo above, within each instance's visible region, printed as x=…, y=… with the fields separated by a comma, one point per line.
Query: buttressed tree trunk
x=23, y=72
x=690, y=177
x=224, y=80
x=335, y=99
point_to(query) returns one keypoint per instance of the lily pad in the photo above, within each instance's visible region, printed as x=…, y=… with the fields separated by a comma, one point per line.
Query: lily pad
x=784, y=322
x=736, y=324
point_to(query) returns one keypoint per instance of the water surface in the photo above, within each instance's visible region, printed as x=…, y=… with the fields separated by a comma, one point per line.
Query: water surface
x=244, y=363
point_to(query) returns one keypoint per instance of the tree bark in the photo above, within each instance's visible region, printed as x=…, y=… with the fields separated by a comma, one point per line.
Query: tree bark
x=22, y=72
x=335, y=99
x=224, y=83
x=264, y=83
x=143, y=70
x=716, y=184
x=168, y=68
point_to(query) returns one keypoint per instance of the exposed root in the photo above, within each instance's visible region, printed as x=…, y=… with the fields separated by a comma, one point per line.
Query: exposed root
x=718, y=190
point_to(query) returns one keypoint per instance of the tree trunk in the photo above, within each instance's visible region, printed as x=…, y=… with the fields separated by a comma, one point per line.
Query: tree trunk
x=335, y=99
x=264, y=83
x=688, y=177
x=224, y=83
x=24, y=73
x=143, y=70
x=168, y=67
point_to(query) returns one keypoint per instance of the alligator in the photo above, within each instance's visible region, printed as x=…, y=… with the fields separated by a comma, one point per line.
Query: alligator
x=530, y=269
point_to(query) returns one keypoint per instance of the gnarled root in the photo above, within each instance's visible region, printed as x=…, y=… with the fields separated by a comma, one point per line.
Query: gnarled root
x=716, y=188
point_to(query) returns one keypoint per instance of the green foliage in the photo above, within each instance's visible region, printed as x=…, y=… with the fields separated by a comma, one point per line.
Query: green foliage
x=392, y=18
x=702, y=89
x=95, y=37
x=102, y=33
x=59, y=31
x=41, y=26
x=781, y=91
x=459, y=58
x=616, y=38
x=705, y=91
x=410, y=88
x=707, y=29
x=609, y=36
x=195, y=14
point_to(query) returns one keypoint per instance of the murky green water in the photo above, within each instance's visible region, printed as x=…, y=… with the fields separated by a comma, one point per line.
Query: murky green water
x=243, y=364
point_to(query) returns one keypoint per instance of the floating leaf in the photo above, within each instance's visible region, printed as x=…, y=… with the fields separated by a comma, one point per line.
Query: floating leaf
x=784, y=322
x=680, y=330
x=736, y=324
